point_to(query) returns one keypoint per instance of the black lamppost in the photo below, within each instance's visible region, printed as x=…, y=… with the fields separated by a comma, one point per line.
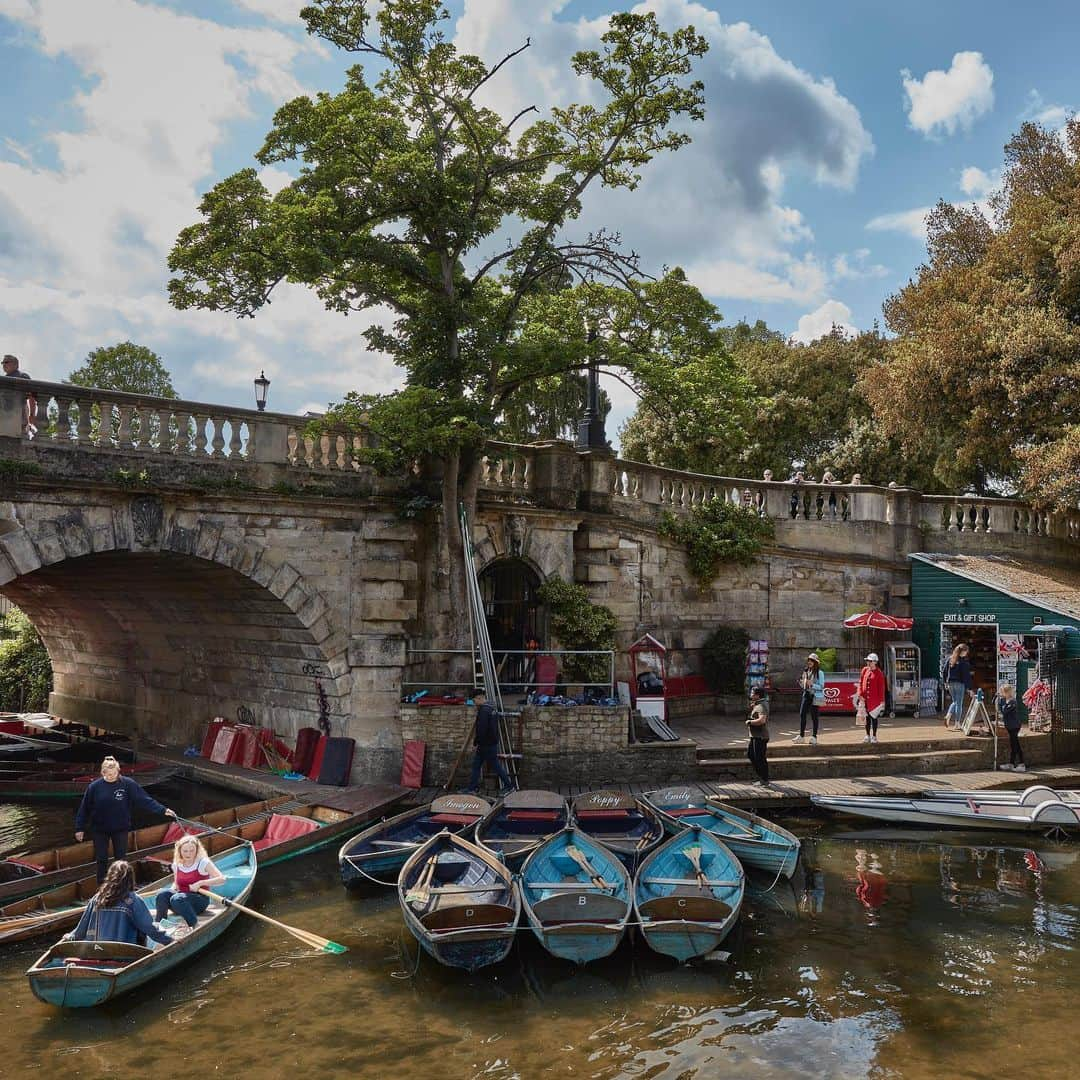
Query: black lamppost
x=590, y=432
x=262, y=386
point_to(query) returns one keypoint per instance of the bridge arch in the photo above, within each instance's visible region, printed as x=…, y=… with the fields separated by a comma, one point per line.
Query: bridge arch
x=158, y=625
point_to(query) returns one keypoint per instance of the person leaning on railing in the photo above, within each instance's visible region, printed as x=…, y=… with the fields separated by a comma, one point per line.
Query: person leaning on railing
x=30, y=409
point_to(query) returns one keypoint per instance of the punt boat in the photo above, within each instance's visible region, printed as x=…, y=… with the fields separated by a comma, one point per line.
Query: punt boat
x=624, y=824
x=756, y=841
x=34, y=872
x=81, y=974
x=383, y=848
x=459, y=902
x=58, y=781
x=1039, y=809
x=688, y=893
x=517, y=824
x=576, y=895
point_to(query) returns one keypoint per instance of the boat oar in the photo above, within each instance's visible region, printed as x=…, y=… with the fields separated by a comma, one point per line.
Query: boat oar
x=312, y=941
x=582, y=860
x=421, y=892
x=693, y=853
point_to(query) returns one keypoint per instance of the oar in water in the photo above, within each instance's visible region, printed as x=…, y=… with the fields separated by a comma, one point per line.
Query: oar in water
x=582, y=860
x=420, y=893
x=312, y=941
x=693, y=853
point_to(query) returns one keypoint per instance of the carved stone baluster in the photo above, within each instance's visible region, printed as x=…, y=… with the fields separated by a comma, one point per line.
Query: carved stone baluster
x=123, y=431
x=235, y=442
x=183, y=433
x=199, y=449
x=63, y=419
x=145, y=428
x=85, y=424
x=217, y=440
x=165, y=425
x=105, y=424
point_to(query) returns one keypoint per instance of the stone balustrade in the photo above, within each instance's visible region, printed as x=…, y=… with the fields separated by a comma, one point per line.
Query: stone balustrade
x=508, y=468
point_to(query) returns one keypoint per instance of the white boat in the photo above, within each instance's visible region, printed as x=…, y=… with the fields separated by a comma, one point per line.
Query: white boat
x=1038, y=809
x=999, y=798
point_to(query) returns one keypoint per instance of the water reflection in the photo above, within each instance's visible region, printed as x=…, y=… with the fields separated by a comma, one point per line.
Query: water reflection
x=889, y=954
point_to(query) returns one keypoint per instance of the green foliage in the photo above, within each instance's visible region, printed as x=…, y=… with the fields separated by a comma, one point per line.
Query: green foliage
x=12, y=470
x=25, y=668
x=579, y=624
x=723, y=659
x=130, y=478
x=131, y=368
x=715, y=533
x=206, y=480
x=827, y=659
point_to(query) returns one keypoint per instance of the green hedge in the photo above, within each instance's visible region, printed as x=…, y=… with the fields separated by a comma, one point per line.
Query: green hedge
x=25, y=669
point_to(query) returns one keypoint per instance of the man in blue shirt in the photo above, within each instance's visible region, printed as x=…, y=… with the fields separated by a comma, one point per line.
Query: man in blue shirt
x=486, y=741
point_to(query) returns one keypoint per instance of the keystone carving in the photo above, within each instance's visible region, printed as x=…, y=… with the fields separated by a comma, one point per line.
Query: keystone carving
x=147, y=516
x=515, y=528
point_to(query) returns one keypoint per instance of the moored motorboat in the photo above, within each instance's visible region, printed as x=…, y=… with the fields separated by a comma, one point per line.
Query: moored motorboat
x=459, y=902
x=379, y=852
x=81, y=974
x=622, y=823
x=1012, y=797
x=688, y=893
x=1040, y=809
x=518, y=823
x=576, y=895
x=757, y=842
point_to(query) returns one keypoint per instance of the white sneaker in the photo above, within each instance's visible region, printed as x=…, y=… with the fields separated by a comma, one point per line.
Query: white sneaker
x=873, y=738
x=1020, y=768
x=813, y=740
x=798, y=738
x=1006, y=768
x=867, y=739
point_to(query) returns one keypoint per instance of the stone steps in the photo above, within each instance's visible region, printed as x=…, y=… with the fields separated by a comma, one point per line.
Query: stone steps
x=785, y=748
x=876, y=763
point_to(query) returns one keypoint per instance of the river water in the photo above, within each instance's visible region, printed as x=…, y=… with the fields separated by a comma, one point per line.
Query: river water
x=893, y=954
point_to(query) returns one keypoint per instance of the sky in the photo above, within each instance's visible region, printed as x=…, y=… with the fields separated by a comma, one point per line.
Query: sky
x=830, y=129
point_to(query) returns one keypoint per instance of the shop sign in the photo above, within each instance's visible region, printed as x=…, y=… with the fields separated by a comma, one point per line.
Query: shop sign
x=968, y=617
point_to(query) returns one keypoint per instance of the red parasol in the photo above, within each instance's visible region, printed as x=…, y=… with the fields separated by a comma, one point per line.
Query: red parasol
x=877, y=620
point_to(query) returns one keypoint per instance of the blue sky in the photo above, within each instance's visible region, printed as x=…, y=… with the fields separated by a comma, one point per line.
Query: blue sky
x=830, y=127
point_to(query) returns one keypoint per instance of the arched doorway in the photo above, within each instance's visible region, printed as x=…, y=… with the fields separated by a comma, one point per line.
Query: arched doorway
x=508, y=588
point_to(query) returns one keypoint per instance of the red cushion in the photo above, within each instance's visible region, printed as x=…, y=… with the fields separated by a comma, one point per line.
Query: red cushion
x=282, y=827
x=533, y=815
x=412, y=764
x=583, y=814
x=684, y=811
x=175, y=831
x=26, y=862
x=317, y=759
x=210, y=737
x=223, y=745
x=453, y=819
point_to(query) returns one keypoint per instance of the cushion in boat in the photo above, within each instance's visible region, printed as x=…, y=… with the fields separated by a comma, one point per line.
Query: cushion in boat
x=685, y=811
x=27, y=863
x=452, y=819
x=585, y=815
x=533, y=815
x=282, y=827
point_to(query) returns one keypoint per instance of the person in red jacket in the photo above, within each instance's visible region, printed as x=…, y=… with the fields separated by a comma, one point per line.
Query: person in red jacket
x=872, y=691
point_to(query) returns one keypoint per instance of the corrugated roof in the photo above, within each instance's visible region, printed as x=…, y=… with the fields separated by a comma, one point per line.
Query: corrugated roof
x=1050, y=587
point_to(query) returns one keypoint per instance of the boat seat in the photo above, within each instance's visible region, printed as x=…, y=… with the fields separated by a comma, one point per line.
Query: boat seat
x=698, y=907
x=567, y=907
x=282, y=827
x=468, y=916
x=453, y=819
x=596, y=815
x=686, y=811
x=533, y=815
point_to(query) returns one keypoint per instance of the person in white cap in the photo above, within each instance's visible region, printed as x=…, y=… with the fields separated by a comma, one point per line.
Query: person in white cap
x=812, y=682
x=872, y=691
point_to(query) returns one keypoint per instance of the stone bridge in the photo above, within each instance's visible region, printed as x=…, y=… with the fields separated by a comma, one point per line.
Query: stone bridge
x=182, y=559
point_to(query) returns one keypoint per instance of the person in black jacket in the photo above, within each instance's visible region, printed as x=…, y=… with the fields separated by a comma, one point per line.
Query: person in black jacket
x=486, y=741
x=105, y=812
x=1010, y=717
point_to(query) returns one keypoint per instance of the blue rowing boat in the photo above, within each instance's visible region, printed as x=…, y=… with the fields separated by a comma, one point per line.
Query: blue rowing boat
x=379, y=852
x=459, y=902
x=577, y=896
x=623, y=824
x=759, y=843
x=81, y=974
x=688, y=893
x=519, y=823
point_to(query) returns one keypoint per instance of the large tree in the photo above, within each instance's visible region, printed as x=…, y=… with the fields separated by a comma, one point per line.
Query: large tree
x=985, y=369
x=413, y=196
x=132, y=368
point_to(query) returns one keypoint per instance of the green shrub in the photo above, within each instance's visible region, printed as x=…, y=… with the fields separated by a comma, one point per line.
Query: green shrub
x=827, y=657
x=723, y=659
x=25, y=668
x=715, y=533
x=579, y=624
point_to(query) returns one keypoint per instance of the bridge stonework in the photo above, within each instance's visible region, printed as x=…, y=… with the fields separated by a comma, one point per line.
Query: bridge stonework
x=182, y=560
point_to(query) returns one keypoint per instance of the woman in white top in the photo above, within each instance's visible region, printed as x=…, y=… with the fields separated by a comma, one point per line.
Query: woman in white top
x=192, y=870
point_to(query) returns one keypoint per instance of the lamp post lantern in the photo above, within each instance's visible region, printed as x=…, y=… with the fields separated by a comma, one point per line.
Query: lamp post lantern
x=591, y=434
x=262, y=386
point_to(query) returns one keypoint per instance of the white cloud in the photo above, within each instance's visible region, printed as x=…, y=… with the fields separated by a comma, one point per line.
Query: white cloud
x=976, y=183
x=286, y=11
x=946, y=101
x=912, y=222
x=816, y=324
x=857, y=265
x=790, y=280
x=1051, y=116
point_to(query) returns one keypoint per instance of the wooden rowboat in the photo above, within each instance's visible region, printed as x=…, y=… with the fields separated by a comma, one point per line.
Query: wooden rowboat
x=756, y=841
x=71, y=782
x=625, y=825
x=459, y=902
x=35, y=871
x=688, y=893
x=81, y=974
x=379, y=852
x=520, y=822
x=577, y=896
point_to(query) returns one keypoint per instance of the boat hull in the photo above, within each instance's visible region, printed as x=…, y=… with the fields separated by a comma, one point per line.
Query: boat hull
x=938, y=814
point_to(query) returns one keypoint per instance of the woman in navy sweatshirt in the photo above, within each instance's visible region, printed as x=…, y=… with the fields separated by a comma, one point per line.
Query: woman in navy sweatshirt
x=105, y=812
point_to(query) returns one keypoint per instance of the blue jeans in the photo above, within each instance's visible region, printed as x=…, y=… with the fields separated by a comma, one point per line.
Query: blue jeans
x=956, y=701
x=189, y=906
x=489, y=755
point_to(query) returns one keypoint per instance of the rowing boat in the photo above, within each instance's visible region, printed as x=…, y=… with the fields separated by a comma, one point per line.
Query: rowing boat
x=688, y=893
x=1039, y=809
x=459, y=902
x=517, y=824
x=755, y=840
x=625, y=825
x=576, y=895
x=383, y=849
x=71, y=782
x=36, y=871
x=81, y=974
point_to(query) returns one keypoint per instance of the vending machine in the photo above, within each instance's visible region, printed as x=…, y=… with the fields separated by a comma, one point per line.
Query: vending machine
x=903, y=672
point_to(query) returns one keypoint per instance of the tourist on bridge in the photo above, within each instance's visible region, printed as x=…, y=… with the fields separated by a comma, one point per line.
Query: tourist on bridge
x=486, y=741
x=11, y=370
x=812, y=683
x=105, y=812
x=192, y=870
x=872, y=691
x=117, y=913
x=757, y=725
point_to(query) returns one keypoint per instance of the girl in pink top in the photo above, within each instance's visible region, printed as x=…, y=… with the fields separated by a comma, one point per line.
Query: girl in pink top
x=192, y=870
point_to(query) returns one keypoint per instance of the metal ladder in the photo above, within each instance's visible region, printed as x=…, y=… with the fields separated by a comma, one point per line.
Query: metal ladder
x=484, y=671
